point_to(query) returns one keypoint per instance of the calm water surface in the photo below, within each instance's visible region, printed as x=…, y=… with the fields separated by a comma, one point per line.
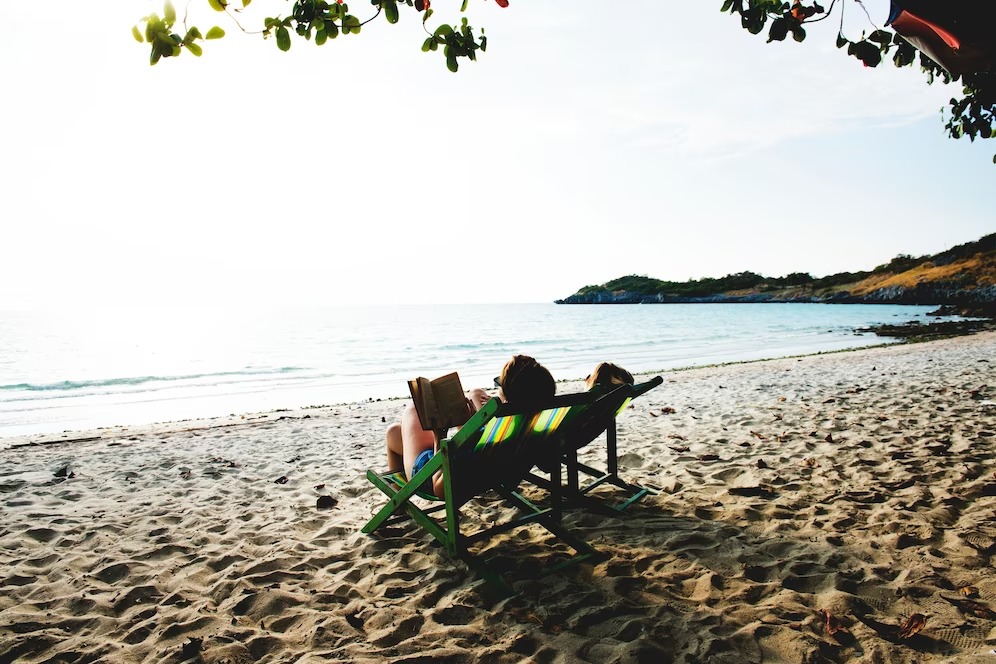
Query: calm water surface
x=63, y=371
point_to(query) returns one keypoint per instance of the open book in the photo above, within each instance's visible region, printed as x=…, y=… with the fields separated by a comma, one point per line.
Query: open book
x=440, y=403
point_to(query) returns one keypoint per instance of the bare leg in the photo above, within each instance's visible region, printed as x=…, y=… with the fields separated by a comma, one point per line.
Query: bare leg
x=395, y=448
x=414, y=439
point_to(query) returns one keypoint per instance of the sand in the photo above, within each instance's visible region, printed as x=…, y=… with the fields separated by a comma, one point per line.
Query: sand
x=862, y=484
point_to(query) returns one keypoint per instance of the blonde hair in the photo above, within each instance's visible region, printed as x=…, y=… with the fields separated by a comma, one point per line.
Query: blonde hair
x=524, y=380
x=607, y=373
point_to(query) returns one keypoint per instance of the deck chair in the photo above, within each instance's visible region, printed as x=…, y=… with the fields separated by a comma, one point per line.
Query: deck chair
x=599, y=419
x=495, y=450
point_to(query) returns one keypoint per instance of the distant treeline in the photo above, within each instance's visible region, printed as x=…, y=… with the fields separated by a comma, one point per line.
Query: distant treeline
x=756, y=282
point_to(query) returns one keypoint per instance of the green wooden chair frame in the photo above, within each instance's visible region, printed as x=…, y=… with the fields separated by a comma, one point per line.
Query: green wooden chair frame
x=599, y=419
x=496, y=449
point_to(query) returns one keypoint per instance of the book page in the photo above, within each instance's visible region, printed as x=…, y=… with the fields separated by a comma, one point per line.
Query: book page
x=450, y=402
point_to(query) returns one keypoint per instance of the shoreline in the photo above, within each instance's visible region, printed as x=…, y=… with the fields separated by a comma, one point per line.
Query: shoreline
x=861, y=484
x=564, y=385
x=47, y=396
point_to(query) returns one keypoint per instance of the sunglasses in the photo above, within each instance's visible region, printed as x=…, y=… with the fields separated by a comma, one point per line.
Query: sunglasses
x=498, y=382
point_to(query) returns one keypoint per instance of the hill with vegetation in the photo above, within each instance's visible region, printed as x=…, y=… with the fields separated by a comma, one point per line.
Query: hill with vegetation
x=963, y=276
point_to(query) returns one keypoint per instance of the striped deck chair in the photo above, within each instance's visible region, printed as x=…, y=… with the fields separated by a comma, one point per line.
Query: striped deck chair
x=601, y=418
x=494, y=450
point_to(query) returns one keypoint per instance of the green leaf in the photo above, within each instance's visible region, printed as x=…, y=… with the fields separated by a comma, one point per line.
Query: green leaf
x=841, y=40
x=463, y=6
x=215, y=33
x=217, y=5
x=283, y=39
x=727, y=6
x=351, y=25
x=426, y=15
x=994, y=158
x=331, y=29
x=427, y=45
x=321, y=37
x=443, y=30
x=798, y=33
x=451, y=63
x=137, y=34
x=881, y=37
x=192, y=34
x=778, y=30
x=391, y=11
x=245, y=3
x=195, y=49
x=169, y=12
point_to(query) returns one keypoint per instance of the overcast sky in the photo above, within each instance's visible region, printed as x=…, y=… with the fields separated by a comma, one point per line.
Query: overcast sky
x=591, y=141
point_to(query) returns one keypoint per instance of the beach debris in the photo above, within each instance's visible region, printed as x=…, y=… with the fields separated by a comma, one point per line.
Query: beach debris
x=383, y=419
x=832, y=624
x=680, y=449
x=969, y=591
x=709, y=456
x=912, y=626
x=829, y=438
x=295, y=459
x=524, y=615
x=676, y=436
x=326, y=502
x=667, y=410
x=759, y=436
x=185, y=473
x=830, y=400
x=761, y=464
x=281, y=480
x=972, y=607
x=319, y=487
x=811, y=462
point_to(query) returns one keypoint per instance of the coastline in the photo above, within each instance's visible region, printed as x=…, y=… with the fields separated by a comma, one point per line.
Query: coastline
x=58, y=382
x=858, y=482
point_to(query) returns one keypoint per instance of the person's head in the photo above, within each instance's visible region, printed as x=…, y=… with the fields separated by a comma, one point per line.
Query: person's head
x=524, y=380
x=609, y=374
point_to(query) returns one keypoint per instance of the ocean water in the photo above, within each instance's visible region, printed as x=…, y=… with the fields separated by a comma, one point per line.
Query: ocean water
x=71, y=370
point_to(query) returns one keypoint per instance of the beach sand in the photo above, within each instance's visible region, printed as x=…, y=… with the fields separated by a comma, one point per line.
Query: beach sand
x=862, y=484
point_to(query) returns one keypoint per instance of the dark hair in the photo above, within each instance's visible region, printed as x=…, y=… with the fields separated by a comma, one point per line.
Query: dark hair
x=606, y=373
x=524, y=380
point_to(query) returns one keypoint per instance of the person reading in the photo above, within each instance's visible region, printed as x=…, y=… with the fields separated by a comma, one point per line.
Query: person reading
x=522, y=381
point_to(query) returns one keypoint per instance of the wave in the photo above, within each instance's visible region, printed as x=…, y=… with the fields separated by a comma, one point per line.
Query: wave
x=138, y=380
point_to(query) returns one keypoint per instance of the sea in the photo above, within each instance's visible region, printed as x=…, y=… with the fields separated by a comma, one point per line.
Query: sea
x=73, y=370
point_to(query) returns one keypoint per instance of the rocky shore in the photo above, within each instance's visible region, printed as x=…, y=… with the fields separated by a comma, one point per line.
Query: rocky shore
x=969, y=302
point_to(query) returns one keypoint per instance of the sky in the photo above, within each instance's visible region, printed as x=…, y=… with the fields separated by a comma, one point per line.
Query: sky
x=654, y=138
